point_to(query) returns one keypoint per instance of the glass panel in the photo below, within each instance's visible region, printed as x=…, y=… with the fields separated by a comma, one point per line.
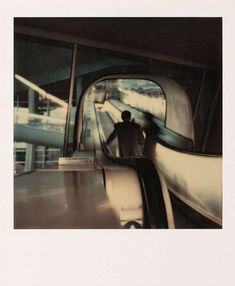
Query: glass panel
x=38, y=136
x=41, y=88
x=27, y=119
x=103, y=106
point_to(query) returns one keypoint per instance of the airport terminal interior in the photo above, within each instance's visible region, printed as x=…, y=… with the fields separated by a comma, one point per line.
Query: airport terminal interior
x=73, y=78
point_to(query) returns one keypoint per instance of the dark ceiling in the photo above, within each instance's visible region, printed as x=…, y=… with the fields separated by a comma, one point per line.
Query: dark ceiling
x=196, y=39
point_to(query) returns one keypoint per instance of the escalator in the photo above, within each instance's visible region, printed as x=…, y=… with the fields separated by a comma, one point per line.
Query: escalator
x=156, y=202
x=195, y=193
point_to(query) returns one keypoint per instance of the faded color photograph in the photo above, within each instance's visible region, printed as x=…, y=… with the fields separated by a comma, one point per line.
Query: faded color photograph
x=118, y=123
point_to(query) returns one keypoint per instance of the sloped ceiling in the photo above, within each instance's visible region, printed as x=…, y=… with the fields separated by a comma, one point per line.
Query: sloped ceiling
x=199, y=39
x=46, y=62
x=43, y=63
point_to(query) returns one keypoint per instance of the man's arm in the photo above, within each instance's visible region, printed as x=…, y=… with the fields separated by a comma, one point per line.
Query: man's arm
x=112, y=135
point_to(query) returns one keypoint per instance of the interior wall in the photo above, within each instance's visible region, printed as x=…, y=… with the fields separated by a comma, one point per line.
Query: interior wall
x=208, y=92
x=215, y=142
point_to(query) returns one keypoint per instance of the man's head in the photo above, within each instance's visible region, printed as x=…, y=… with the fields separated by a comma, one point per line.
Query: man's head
x=126, y=115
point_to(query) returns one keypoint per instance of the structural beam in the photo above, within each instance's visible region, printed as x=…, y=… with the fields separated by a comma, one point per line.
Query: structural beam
x=211, y=115
x=41, y=91
x=71, y=92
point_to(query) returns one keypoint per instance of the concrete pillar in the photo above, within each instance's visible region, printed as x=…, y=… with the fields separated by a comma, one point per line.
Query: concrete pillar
x=30, y=148
x=29, y=157
x=44, y=147
x=31, y=100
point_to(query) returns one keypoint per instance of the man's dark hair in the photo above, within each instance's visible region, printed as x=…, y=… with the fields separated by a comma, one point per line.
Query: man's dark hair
x=126, y=115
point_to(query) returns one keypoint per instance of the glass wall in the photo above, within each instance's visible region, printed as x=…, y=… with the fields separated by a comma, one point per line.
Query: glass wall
x=41, y=88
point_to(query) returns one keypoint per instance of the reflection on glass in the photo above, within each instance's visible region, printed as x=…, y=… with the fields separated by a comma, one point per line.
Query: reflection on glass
x=39, y=123
x=23, y=117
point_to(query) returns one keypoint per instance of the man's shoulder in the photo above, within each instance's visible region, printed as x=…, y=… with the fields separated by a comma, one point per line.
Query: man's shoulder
x=136, y=124
x=125, y=124
x=116, y=125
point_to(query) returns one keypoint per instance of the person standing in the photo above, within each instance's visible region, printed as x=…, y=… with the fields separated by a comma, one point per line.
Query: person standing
x=130, y=136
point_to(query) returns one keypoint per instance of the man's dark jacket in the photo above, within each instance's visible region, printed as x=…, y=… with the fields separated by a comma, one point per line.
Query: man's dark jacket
x=130, y=137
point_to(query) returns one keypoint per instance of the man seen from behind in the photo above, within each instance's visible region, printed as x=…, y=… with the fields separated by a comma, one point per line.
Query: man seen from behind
x=130, y=136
